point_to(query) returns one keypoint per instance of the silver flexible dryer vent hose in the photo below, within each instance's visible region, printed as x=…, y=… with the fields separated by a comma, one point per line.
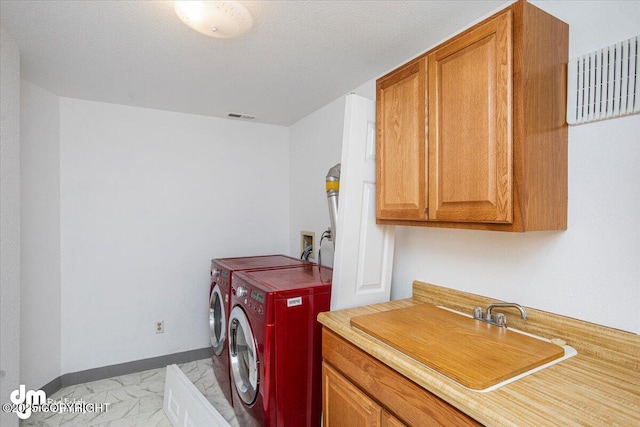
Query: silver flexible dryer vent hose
x=333, y=191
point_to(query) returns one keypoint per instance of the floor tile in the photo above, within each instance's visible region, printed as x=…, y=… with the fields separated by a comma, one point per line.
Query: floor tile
x=51, y=420
x=153, y=375
x=134, y=399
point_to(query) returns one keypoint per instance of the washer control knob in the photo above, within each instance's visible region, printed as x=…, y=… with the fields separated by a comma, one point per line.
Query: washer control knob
x=241, y=291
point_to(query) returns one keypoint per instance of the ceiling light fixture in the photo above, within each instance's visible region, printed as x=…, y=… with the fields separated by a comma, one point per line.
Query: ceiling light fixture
x=223, y=19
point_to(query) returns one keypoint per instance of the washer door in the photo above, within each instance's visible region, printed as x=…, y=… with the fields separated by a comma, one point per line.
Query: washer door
x=217, y=321
x=243, y=356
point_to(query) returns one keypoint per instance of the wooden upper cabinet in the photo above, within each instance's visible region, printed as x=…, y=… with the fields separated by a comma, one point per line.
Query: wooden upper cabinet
x=401, y=157
x=493, y=155
x=470, y=126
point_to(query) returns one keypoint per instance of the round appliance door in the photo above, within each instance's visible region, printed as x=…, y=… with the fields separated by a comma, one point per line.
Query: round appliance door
x=217, y=321
x=243, y=356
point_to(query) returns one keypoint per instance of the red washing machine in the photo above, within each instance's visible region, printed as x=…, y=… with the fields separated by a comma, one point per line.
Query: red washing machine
x=222, y=274
x=275, y=345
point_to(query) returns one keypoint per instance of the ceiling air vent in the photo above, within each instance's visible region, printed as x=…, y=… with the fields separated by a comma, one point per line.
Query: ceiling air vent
x=241, y=116
x=604, y=83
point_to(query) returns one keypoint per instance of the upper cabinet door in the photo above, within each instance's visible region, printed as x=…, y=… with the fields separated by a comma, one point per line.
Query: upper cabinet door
x=470, y=126
x=493, y=155
x=401, y=169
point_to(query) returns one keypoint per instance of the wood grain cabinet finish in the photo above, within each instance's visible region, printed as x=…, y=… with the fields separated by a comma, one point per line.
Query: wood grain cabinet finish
x=470, y=137
x=344, y=405
x=494, y=150
x=401, y=157
x=359, y=390
x=389, y=420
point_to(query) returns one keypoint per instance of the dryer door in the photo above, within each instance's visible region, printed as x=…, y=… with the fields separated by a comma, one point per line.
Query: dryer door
x=243, y=356
x=217, y=321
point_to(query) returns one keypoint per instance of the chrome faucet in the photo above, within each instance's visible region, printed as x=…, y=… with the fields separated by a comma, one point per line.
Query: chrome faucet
x=497, y=319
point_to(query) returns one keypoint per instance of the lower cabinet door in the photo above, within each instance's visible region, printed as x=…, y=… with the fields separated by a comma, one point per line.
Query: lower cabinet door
x=389, y=420
x=344, y=405
x=360, y=390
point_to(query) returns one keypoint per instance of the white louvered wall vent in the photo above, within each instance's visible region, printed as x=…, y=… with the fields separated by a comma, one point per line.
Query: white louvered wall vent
x=604, y=83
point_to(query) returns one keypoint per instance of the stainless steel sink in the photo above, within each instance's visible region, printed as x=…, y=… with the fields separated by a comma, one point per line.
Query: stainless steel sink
x=568, y=352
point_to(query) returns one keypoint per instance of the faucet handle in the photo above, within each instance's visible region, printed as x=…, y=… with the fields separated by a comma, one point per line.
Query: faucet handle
x=477, y=313
x=501, y=320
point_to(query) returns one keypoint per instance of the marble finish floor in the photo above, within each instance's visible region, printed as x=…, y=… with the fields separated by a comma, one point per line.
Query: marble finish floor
x=135, y=399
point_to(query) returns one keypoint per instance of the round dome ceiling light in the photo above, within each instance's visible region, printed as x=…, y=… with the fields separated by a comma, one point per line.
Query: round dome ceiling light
x=223, y=19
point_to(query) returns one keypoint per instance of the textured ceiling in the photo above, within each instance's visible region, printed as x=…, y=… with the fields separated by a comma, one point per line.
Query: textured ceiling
x=298, y=56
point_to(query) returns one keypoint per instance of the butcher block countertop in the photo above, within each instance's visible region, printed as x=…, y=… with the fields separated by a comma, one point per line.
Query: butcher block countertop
x=598, y=387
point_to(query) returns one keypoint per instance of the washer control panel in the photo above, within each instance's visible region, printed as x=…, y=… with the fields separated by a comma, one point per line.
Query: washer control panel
x=252, y=299
x=257, y=301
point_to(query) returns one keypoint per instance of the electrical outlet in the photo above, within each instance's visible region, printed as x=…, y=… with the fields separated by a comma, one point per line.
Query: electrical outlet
x=160, y=327
x=307, y=239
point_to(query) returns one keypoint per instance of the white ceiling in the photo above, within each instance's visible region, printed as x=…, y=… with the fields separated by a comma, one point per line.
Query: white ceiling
x=299, y=55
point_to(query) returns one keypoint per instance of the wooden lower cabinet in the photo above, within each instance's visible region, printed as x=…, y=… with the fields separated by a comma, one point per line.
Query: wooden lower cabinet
x=344, y=404
x=389, y=420
x=359, y=390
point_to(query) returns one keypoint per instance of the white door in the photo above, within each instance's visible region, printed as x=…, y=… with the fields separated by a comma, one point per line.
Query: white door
x=364, y=250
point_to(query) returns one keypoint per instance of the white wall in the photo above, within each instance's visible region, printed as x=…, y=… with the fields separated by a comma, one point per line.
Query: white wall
x=591, y=271
x=316, y=146
x=9, y=222
x=147, y=199
x=40, y=236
